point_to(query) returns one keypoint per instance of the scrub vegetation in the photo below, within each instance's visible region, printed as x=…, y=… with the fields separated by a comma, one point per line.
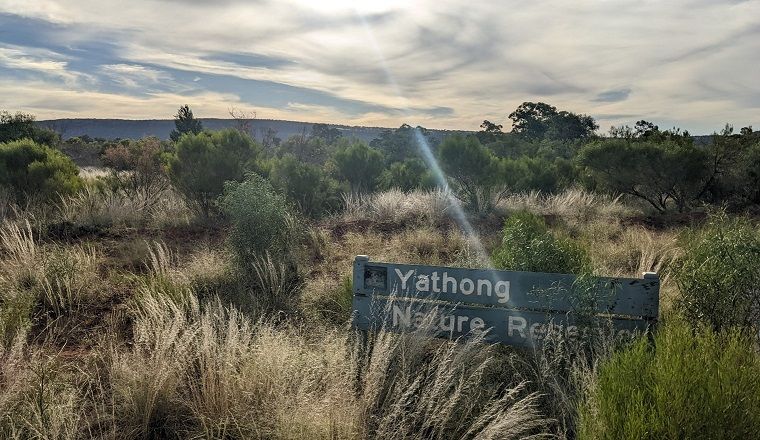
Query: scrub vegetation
x=201, y=287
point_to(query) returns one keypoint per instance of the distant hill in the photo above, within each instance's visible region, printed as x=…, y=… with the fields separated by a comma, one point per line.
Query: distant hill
x=138, y=128
x=135, y=129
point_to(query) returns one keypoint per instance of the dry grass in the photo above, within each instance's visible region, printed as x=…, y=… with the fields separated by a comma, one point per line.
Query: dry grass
x=137, y=207
x=575, y=206
x=430, y=207
x=47, y=285
x=213, y=373
x=91, y=173
x=38, y=398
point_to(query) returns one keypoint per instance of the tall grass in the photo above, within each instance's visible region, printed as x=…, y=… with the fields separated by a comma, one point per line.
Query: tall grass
x=131, y=207
x=38, y=400
x=416, y=387
x=210, y=372
x=573, y=205
x=44, y=285
x=430, y=207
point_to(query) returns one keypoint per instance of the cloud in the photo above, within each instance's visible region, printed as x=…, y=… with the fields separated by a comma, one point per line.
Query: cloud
x=439, y=63
x=134, y=76
x=613, y=95
x=39, y=61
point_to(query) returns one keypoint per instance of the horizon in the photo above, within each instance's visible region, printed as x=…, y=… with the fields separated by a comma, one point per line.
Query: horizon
x=441, y=65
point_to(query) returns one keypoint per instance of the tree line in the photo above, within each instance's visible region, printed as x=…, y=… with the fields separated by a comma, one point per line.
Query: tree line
x=546, y=150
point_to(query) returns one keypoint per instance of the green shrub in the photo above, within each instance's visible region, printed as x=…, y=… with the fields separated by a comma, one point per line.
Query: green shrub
x=203, y=162
x=719, y=274
x=408, y=175
x=307, y=185
x=702, y=385
x=261, y=220
x=359, y=165
x=528, y=245
x=14, y=127
x=28, y=169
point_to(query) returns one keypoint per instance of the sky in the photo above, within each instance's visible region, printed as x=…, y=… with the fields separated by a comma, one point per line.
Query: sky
x=436, y=63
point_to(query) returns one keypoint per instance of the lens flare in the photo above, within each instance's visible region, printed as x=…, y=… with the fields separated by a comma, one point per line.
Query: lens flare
x=426, y=152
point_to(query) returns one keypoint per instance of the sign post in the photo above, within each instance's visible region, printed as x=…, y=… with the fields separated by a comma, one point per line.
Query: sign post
x=513, y=308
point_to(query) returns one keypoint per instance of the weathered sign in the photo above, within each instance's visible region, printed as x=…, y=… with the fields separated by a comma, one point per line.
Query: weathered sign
x=516, y=308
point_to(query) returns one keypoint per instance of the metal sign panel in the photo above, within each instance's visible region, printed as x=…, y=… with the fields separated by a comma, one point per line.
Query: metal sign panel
x=517, y=308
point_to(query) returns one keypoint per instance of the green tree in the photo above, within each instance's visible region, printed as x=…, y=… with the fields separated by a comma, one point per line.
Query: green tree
x=307, y=185
x=30, y=170
x=185, y=122
x=19, y=126
x=202, y=163
x=309, y=149
x=473, y=171
x=325, y=132
x=490, y=132
x=359, y=165
x=538, y=120
x=659, y=173
x=403, y=143
x=407, y=175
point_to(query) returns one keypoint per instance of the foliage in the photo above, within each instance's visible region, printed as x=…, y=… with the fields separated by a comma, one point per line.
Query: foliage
x=310, y=149
x=696, y=385
x=538, y=120
x=307, y=185
x=325, y=132
x=408, y=175
x=359, y=165
x=719, y=274
x=658, y=173
x=261, y=221
x=403, y=143
x=29, y=169
x=185, y=123
x=14, y=127
x=203, y=162
x=734, y=168
x=472, y=169
x=528, y=245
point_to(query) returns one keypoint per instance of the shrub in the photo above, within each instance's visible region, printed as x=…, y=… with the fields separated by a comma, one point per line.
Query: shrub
x=475, y=173
x=659, y=173
x=203, y=162
x=528, y=245
x=307, y=185
x=719, y=274
x=689, y=385
x=408, y=175
x=32, y=170
x=14, y=127
x=261, y=221
x=359, y=165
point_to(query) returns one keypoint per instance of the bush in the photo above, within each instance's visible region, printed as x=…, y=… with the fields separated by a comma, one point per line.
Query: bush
x=689, y=385
x=528, y=245
x=719, y=274
x=359, y=165
x=261, y=221
x=32, y=170
x=14, y=127
x=659, y=173
x=307, y=185
x=203, y=162
x=408, y=175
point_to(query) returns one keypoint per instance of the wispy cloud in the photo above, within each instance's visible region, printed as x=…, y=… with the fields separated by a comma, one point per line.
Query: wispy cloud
x=439, y=63
x=134, y=76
